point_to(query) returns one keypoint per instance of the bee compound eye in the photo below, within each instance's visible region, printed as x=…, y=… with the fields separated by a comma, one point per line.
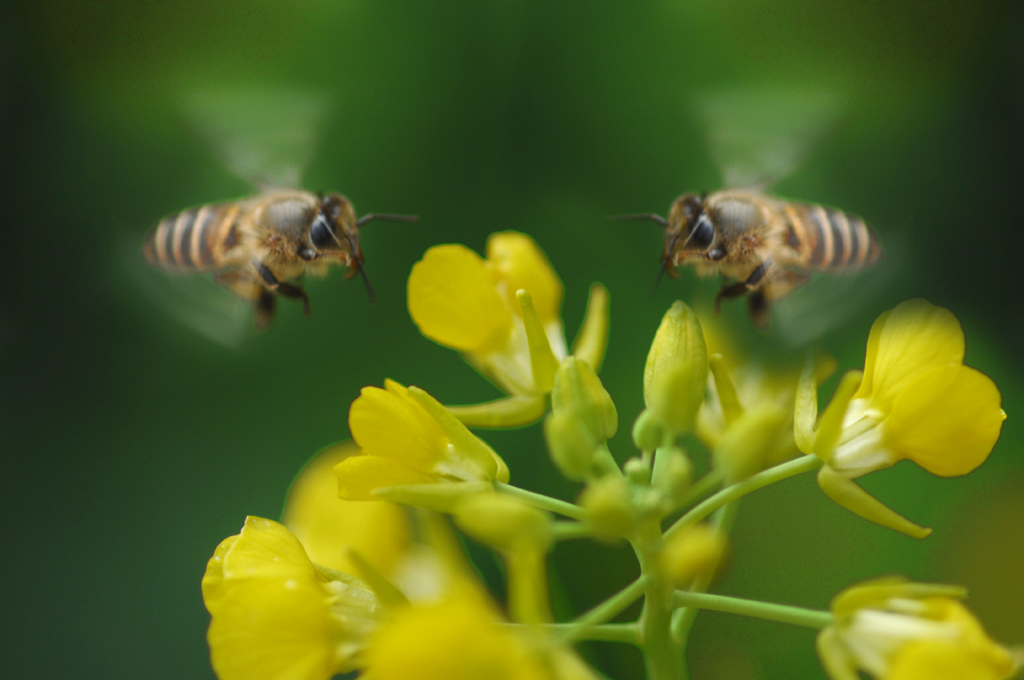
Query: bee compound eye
x=703, y=234
x=320, y=233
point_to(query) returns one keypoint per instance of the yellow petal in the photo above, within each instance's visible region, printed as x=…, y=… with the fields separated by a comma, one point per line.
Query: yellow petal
x=358, y=476
x=213, y=579
x=506, y=412
x=913, y=337
x=388, y=424
x=946, y=420
x=459, y=639
x=592, y=340
x=266, y=549
x=270, y=629
x=328, y=526
x=453, y=300
x=521, y=264
x=946, y=660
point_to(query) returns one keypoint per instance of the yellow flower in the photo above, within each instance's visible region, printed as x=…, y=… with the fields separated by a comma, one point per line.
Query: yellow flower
x=328, y=526
x=274, y=617
x=503, y=314
x=409, y=440
x=463, y=638
x=917, y=400
x=896, y=630
x=458, y=639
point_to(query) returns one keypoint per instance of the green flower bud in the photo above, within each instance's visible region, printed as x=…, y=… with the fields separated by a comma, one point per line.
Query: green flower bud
x=748, y=442
x=578, y=390
x=676, y=374
x=648, y=432
x=504, y=523
x=637, y=471
x=571, y=444
x=609, y=506
x=673, y=472
x=693, y=554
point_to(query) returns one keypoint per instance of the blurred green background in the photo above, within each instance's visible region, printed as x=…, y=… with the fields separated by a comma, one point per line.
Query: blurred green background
x=132, y=445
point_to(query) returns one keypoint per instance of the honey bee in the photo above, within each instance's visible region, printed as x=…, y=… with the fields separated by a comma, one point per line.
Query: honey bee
x=763, y=246
x=259, y=247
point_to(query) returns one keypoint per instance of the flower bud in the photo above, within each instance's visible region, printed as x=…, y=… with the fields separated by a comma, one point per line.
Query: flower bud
x=693, y=554
x=676, y=373
x=609, y=506
x=504, y=523
x=749, y=440
x=637, y=471
x=578, y=390
x=648, y=432
x=570, y=444
x=673, y=472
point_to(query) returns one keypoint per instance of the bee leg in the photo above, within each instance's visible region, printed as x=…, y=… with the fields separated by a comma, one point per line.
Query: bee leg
x=288, y=290
x=729, y=292
x=266, y=306
x=294, y=292
x=775, y=289
x=250, y=290
x=757, y=305
x=742, y=288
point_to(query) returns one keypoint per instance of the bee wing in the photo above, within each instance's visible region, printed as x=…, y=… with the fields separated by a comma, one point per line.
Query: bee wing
x=193, y=300
x=759, y=136
x=831, y=300
x=265, y=136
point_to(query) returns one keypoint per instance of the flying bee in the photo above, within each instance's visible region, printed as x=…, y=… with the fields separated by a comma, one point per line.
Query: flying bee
x=763, y=246
x=259, y=247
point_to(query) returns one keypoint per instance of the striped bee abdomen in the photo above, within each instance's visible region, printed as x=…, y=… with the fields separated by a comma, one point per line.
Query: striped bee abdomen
x=193, y=240
x=830, y=239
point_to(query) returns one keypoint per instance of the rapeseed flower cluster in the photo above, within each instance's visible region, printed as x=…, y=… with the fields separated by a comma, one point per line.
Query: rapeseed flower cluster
x=367, y=574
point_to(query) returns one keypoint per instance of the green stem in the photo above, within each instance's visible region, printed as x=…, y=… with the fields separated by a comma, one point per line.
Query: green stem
x=700, y=488
x=541, y=501
x=563, y=531
x=796, y=616
x=663, y=655
x=604, y=461
x=607, y=632
x=608, y=609
x=740, y=489
x=682, y=619
x=527, y=586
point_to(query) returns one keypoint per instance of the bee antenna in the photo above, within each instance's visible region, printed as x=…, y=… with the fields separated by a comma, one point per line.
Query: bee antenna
x=381, y=216
x=366, y=281
x=359, y=266
x=665, y=264
x=641, y=216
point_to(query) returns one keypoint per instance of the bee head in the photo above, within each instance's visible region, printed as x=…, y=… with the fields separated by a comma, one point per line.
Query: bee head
x=334, y=227
x=690, y=228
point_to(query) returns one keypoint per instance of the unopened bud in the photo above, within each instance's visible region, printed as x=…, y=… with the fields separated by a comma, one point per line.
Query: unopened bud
x=504, y=523
x=693, y=554
x=749, y=441
x=676, y=374
x=571, y=444
x=648, y=432
x=673, y=472
x=637, y=471
x=578, y=390
x=609, y=506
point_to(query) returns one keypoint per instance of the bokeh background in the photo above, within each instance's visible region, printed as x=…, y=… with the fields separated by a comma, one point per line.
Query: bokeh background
x=132, y=445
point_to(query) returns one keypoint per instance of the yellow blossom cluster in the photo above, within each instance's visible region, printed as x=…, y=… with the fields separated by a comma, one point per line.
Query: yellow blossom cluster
x=364, y=574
